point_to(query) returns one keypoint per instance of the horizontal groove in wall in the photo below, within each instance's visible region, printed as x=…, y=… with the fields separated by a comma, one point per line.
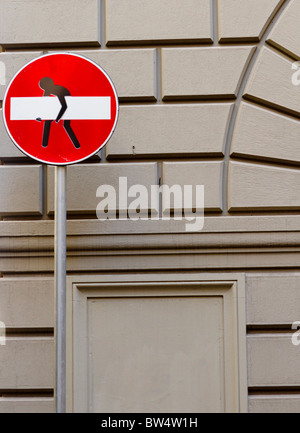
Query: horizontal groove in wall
x=76, y=216
x=124, y=272
x=203, y=98
x=51, y=45
x=199, y=100
x=123, y=159
x=26, y=393
x=93, y=216
x=29, y=332
x=25, y=161
x=161, y=157
x=107, y=246
x=29, y=275
x=240, y=41
x=16, y=160
x=141, y=271
x=280, y=211
x=270, y=328
x=161, y=43
x=273, y=390
x=140, y=100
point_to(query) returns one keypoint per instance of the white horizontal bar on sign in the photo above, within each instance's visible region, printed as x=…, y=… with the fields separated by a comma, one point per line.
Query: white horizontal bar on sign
x=48, y=107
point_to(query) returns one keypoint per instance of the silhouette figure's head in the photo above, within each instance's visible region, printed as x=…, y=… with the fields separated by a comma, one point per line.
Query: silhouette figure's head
x=46, y=83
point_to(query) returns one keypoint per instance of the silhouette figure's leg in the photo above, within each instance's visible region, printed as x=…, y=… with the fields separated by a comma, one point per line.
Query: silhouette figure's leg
x=71, y=134
x=46, y=132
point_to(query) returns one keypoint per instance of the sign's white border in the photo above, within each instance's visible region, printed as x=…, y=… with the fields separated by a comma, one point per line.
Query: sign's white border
x=77, y=160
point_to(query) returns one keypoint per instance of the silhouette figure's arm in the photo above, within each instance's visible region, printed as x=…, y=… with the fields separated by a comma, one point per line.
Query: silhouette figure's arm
x=63, y=107
x=45, y=94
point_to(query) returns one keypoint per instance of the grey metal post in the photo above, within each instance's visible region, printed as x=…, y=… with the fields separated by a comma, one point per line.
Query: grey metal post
x=60, y=286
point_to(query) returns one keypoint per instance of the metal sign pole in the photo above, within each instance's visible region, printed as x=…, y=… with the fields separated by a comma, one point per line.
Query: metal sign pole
x=60, y=285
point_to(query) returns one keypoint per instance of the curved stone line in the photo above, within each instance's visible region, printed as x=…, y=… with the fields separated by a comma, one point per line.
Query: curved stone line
x=232, y=121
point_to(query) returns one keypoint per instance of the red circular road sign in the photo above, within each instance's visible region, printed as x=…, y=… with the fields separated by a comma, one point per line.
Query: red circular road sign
x=60, y=108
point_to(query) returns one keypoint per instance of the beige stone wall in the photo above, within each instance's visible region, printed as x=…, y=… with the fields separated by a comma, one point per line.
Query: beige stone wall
x=206, y=97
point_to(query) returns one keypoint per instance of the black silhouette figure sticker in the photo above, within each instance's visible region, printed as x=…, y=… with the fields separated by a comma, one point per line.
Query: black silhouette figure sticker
x=47, y=84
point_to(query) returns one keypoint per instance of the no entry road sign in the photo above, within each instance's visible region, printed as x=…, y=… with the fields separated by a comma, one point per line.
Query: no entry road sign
x=60, y=108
